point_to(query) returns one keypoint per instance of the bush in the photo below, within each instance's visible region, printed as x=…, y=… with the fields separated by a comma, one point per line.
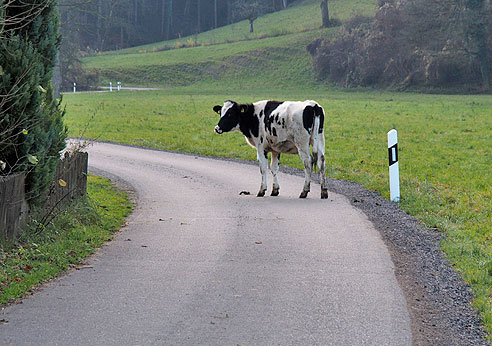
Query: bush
x=394, y=49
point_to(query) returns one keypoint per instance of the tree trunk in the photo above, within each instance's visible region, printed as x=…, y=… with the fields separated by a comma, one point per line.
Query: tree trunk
x=199, y=15
x=325, y=14
x=251, y=21
x=285, y=3
x=215, y=14
x=99, y=25
x=229, y=12
x=163, y=20
x=169, y=19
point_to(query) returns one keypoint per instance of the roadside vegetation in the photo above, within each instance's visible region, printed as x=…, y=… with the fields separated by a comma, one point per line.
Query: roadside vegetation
x=444, y=140
x=44, y=251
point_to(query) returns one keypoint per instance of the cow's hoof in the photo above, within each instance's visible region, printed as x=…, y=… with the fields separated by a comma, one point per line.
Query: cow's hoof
x=303, y=194
x=275, y=192
x=324, y=194
x=261, y=193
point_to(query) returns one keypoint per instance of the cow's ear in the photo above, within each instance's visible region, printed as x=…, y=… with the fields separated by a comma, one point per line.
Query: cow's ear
x=217, y=109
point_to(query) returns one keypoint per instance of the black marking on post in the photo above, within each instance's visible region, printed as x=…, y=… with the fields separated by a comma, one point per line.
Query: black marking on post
x=393, y=160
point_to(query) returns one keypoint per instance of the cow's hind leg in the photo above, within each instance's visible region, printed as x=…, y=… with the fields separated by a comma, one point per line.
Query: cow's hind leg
x=263, y=170
x=322, y=174
x=322, y=167
x=274, y=167
x=306, y=159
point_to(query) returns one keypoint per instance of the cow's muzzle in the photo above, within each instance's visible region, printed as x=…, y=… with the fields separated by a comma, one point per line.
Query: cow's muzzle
x=218, y=130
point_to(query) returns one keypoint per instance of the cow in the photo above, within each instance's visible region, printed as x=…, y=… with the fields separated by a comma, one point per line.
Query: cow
x=279, y=127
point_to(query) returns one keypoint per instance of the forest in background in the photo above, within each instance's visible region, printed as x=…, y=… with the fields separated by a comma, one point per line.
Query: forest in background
x=101, y=25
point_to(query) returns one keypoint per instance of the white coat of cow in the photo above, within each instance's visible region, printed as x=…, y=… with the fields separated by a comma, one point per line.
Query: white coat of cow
x=279, y=127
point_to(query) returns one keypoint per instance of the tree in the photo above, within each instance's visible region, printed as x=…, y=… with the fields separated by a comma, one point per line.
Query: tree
x=325, y=16
x=32, y=132
x=250, y=10
x=476, y=29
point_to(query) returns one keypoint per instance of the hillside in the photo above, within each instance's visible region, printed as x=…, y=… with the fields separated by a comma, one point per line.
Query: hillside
x=274, y=54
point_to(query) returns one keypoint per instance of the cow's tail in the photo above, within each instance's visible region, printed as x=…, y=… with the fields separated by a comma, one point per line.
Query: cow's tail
x=317, y=132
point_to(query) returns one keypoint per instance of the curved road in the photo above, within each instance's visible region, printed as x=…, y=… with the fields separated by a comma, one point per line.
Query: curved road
x=200, y=264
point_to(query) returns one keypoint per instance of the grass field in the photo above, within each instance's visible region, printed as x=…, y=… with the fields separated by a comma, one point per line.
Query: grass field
x=445, y=140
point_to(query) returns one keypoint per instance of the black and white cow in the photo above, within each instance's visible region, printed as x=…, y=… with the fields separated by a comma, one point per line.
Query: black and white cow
x=279, y=127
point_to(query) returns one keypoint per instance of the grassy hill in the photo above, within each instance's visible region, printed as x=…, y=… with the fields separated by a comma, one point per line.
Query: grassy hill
x=445, y=159
x=230, y=57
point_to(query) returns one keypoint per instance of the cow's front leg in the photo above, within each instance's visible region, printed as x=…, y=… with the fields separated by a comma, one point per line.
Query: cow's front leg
x=274, y=167
x=263, y=158
x=306, y=159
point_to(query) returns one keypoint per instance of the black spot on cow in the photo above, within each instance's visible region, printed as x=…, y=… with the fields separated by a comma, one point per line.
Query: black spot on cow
x=310, y=112
x=249, y=123
x=261, y=140
x=266, y=154
x=276, y=119
x=274, y=132
x=308, y=118
x=283, y=123
x=269, y=108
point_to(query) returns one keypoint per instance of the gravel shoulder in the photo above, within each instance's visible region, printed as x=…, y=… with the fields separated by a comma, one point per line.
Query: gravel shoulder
x=438, y=300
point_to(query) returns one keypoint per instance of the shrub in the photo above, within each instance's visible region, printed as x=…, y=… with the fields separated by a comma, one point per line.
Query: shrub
x=394, y=49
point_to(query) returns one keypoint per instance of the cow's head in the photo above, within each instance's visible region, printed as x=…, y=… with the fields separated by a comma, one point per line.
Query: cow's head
x=230, y=115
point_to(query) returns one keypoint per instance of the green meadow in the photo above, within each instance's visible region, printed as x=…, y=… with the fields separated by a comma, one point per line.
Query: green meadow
x=445, y=141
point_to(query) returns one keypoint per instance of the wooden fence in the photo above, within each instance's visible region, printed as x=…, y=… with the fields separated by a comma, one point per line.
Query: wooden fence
x=70, y=179
x=70, y=182
x=13, y=206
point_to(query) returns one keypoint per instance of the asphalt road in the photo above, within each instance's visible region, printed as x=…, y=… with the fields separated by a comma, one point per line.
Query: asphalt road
x=200, y=264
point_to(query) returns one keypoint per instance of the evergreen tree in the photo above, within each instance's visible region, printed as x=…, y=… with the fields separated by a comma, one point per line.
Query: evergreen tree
x=31, y=128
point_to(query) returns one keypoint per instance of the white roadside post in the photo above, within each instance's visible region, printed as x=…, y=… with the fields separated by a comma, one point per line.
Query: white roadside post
x=119, y=86
x=110, y=86
x=74, y=87
x=394, y=173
